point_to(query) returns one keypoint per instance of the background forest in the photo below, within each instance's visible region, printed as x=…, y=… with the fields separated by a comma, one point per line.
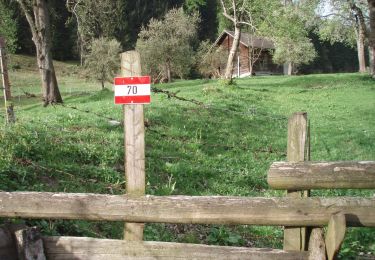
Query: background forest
x=74, y=25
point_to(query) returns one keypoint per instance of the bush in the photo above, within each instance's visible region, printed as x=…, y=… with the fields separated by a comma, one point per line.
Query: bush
x=103, y=61
x=166, y=45
x=209, y=60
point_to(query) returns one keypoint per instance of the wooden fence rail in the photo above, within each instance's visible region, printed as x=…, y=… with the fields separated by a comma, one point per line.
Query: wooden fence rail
x=322, y=175
x=64, y=248
x=284, y=211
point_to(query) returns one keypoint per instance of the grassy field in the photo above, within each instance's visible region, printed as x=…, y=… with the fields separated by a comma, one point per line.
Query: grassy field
x=223, y=148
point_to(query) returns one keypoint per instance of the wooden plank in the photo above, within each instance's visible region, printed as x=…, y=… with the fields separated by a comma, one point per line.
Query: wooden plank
x=64, y=248
x=282, y=211
x=29, y=244
x=134, y=143
x=295, y=238
x=322, y=175
x=335, y=235
x=317, y=247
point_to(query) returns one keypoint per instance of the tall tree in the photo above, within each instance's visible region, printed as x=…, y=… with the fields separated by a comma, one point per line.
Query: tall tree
x=361, y=32
x=166, y=45
x=293, y=47
x=290, y=34
x=347, y=24
x=208, y=26
x=36, y=12
x=235, y=11
x=102, y=62
x=371, y=6
x=94, y=19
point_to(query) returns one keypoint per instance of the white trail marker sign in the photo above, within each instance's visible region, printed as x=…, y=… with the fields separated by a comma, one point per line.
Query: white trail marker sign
x=133, y=90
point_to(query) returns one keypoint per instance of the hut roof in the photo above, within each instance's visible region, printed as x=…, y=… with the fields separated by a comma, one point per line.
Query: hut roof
x=248, y=40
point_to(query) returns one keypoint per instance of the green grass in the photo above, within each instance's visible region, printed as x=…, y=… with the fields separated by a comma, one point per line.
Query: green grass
x=224, y=148
x=24, y=77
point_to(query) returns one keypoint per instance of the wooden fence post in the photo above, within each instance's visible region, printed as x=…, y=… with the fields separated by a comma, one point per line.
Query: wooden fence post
x=6, y=86
x=134, y=143
x=335, y=235
x=317, y=246
x=298, y=147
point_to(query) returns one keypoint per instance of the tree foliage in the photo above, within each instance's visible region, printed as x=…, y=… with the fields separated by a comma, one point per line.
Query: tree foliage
x=337, y=30
x=209, y=59
x=194, y=5
x=103, y=59
x=285, y=23
x=296, y=52
x=339, y=25
x=94, y=19
x=291, y=40
x=8, y=27
x=346, y=23
x=166, y=45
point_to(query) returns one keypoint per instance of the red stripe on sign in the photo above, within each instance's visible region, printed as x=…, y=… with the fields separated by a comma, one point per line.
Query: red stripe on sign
x=133, y=80
x=132, y=100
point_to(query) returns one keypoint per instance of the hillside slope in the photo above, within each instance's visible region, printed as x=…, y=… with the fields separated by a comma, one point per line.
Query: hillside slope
x=222, y=148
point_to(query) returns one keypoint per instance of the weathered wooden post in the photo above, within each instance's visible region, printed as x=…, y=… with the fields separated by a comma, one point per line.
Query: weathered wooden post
x=298, y=147
x=134, y=143
x=335, y=235
x=6, y=86
x=18, y=242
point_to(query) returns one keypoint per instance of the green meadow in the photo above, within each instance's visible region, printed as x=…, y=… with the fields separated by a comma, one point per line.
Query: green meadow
x=223, y=147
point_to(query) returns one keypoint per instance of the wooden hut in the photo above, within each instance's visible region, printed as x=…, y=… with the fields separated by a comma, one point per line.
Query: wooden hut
x=254, y=56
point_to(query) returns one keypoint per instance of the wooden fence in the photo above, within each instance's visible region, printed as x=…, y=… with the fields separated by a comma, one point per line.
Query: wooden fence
x=293, y=212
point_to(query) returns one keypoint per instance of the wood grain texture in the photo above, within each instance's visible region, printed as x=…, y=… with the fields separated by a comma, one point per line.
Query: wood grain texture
x=29, y=244
x=184, y=209
x=134, y=143
x=296, y=238
x=297, y=135
x=69, y=248
x=335, y=235
x=322, y=175
x=317, y=247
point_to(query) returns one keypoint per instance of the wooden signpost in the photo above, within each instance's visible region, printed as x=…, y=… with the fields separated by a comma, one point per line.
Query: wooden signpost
x=5, y=82
x=134, y=138
x=298, y=147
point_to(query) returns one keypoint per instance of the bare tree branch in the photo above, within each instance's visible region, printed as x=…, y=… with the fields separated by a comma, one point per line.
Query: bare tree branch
x=29, y=18
x=225, y=12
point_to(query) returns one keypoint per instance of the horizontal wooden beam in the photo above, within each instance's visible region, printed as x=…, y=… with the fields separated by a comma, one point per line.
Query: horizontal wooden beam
x=184, y=209
x=68, y=248
x=322, y=175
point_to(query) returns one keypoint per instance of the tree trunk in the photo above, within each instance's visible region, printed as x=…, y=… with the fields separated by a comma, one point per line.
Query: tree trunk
x=251, y=63
x=372, y=60
x=38, y=20
x=290, y=68
x=168, y=67
x=251, y=70
x=371, y=5
x=361, y=52
x=361, y=36
x=233, y=51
